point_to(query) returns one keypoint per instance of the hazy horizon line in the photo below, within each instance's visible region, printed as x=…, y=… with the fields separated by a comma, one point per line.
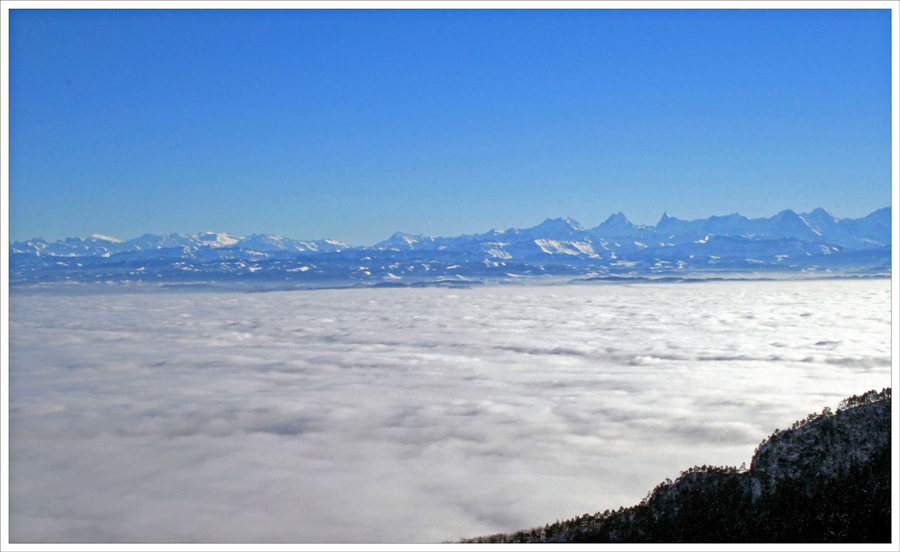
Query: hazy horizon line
x=238, y=235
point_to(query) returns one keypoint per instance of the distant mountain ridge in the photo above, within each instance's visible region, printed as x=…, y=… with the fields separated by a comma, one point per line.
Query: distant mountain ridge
x=786, y=241
x=98, y=245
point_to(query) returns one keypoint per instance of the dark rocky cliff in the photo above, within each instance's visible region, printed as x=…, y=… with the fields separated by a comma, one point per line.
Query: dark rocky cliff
x=827, y=479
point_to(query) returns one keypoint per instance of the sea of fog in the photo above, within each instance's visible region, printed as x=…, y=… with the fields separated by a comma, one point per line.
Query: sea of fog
x=407, y=415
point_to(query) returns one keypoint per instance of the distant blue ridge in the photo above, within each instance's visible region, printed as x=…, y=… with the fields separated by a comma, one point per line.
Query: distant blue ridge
x=786, y=242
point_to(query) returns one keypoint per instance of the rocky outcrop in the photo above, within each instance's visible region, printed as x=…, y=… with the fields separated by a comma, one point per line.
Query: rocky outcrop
x=826, y=448
x=827, y=479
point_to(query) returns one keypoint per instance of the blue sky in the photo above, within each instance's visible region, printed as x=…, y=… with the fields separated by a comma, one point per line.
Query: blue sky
x=356, y=124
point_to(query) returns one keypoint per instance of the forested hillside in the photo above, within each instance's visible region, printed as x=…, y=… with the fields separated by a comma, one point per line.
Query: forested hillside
x=827, y=479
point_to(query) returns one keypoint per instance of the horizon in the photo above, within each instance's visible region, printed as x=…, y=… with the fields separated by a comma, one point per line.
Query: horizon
x=100, y=235
x=352, y=125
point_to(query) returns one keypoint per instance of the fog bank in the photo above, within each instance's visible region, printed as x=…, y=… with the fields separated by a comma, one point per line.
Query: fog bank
x=407, y=415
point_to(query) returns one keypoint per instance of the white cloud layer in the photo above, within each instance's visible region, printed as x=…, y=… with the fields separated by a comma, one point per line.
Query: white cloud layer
x=407, y=415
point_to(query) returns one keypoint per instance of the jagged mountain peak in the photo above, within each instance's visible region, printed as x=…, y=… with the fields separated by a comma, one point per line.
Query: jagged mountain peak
x=785, y=241
x=402, y=240
x=786, y=213
x=618, y=226
x=821, y=211
x=618, y=218
x=730, y=216
x=566, y=223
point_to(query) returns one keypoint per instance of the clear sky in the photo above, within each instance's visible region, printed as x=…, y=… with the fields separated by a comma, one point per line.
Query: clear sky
x=356, y=124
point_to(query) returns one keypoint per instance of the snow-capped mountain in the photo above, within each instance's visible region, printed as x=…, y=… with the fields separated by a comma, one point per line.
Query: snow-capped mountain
x=95, y=245
x=98, y=245
x=618, y=226
x=786, y=241
x=271, y=242
x=405, y=242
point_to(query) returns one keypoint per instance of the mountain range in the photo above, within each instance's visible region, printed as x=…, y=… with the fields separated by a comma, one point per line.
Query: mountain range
x=787, y=241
